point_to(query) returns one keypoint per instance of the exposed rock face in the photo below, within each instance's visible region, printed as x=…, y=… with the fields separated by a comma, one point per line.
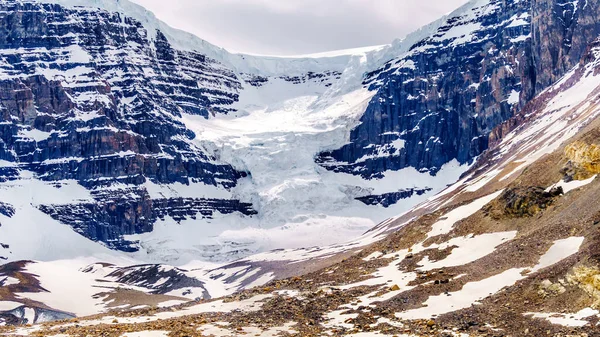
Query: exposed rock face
x=133, y=211
x=388, y=199
x=19, y=316
x=89, y=95
x=588, y=279
x=160, y=279
x=442, y=99
x=584, y=161
x=7, y=210
x=562, y=30
x=101, y=120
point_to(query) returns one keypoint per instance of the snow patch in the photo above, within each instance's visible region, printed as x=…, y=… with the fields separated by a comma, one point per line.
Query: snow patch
x=576, y=320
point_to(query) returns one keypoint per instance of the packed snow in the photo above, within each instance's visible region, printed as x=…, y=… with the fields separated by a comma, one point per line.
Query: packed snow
x=74, y=292
x=9, y=305
x=8, y=281
x=572, y=185
x=464, y=298
x=575, y=320
x=467, y=249
x=46, y=238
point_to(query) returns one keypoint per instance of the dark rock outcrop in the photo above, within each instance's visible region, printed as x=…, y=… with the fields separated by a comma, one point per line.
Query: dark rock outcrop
x=40, y=315
x=442, y=99
x=159, y=279
x=133, y=211
x=388, y=199
x=7, y=210
x=522, y=202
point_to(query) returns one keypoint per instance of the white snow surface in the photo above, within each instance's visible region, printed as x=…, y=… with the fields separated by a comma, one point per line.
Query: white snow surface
x=46, y=239
x=575, y=320
x=9, y=305
x=447, y=222
x=572, y=185
x=8, y=281
x=467, y=249
x=68, y=288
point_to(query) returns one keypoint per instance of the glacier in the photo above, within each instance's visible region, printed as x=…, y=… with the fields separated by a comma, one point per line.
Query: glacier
x=268, y=118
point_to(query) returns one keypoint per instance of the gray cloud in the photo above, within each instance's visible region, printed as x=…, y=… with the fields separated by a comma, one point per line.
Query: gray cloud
x=285, y=27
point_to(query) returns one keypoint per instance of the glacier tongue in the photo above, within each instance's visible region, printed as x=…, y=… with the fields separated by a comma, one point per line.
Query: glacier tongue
x=277, y=139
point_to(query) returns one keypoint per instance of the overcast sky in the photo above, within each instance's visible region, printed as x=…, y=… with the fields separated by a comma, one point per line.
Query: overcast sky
x=288, y=27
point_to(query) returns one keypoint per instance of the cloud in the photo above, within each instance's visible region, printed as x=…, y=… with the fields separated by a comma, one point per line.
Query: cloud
x=287, y=27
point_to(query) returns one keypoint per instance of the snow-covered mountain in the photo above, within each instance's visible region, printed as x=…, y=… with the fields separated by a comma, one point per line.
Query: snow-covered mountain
x=439, y=99
x=136, y=135
x=129, y=128
x=510, y=249
x=470, y=143
x=154, y=142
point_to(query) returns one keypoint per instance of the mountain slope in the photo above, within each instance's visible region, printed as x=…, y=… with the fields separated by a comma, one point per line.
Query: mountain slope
x=99, y=98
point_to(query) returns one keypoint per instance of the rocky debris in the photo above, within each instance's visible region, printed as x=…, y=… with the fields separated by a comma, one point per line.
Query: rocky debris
x=584, y=161
x=547, y=288
x=588, y=279
x=518, y=202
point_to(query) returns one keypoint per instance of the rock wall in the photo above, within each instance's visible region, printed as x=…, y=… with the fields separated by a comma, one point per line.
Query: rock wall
x=92, y=96
x=442, y=99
